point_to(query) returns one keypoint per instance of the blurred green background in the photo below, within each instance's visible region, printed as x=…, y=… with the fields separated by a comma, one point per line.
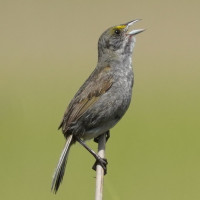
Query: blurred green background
x=48, y=49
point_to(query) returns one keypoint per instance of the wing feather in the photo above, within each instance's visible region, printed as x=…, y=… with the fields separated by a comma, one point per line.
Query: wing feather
x=87, y=96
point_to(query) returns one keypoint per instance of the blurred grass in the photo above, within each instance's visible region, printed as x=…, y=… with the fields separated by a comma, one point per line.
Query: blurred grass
x=48, y=49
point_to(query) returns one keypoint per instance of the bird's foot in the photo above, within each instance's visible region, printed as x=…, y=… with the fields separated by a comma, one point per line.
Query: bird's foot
x=103, y=162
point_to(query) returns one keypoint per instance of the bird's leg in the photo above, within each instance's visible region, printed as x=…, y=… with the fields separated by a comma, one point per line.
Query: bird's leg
x=102, y=161
x=107, y=137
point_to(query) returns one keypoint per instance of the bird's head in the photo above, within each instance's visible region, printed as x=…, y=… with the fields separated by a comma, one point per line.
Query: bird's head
x=117, y=39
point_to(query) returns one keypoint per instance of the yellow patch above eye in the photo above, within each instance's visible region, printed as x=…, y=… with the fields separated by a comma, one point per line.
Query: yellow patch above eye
x=120, y=27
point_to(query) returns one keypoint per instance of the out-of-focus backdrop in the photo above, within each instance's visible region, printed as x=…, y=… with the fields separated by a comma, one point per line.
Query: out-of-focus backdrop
x=48, y=49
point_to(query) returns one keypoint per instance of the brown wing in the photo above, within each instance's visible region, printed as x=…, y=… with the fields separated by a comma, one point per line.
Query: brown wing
x=97, y=84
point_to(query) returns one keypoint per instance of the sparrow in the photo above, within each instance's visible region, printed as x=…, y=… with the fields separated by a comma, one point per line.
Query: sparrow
x=104, y=97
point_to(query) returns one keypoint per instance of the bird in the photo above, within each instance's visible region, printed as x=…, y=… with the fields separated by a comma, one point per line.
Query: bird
x=104, y=97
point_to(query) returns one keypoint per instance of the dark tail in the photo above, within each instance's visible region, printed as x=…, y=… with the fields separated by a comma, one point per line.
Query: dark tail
x=60, y=169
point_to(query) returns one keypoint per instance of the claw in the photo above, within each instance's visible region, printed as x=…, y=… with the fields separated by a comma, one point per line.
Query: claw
x=103, y=162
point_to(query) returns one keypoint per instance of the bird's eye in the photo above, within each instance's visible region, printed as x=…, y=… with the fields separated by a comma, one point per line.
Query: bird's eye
x=117, y=31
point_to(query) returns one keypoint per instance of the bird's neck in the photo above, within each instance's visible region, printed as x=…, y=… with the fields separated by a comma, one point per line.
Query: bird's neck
x=108, y=56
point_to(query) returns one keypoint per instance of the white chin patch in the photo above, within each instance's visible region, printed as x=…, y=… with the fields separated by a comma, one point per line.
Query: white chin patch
x=132, y=38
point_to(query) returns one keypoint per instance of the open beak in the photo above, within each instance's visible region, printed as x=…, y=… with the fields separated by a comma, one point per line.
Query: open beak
x=134, y=32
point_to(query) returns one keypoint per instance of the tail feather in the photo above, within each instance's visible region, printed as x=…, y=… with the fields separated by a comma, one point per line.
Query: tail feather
x=60, y=169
